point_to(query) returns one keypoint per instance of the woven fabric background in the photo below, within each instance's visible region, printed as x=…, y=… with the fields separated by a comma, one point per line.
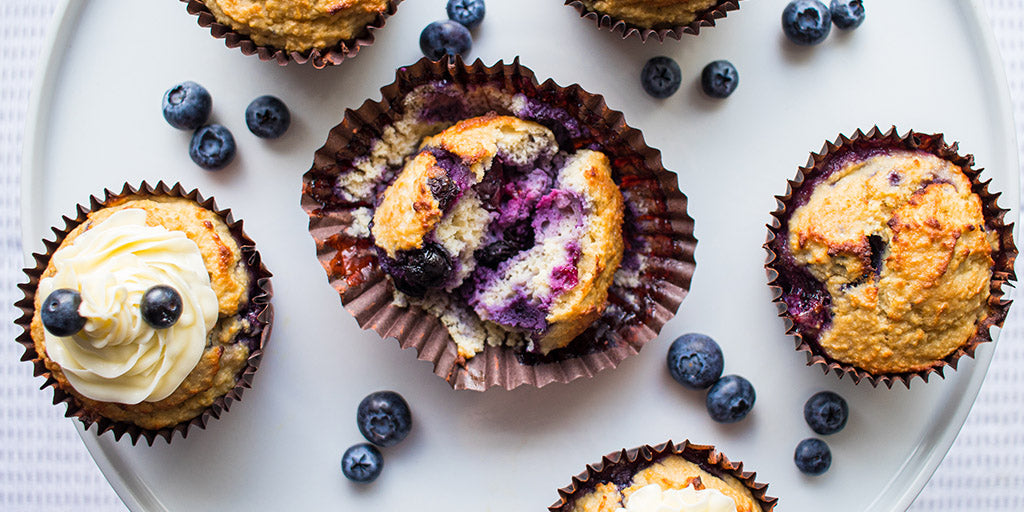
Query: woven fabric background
x=44, y=465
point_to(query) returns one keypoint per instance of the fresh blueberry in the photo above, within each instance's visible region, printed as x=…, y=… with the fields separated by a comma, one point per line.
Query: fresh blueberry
x=384, y=418
x=812, y=456
x=826, y=413
x=806, y=22
x=730, y=399
x=847, y=14
x=661, y=77
x=362, y=463
x=467, y=12
x=59, y=312
x=695, y=361
x=419, y=270
x=267, y=117
x=187, y=105
x=160, y=306
x=719, y=79
x=212, y=147
x=446, y=37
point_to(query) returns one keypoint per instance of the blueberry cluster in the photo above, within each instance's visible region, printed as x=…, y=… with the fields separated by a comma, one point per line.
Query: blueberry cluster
x=160, y=308
x=452, y=36
x=661, y=78
x=696, y=362
x=826, y=413
x=384, y=420
x=808, y=22
x=187, y=106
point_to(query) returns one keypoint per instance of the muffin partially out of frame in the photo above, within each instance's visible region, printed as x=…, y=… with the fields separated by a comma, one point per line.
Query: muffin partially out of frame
x=657, y=18
x=147, y=312
x=891, y=255
x=684, y=477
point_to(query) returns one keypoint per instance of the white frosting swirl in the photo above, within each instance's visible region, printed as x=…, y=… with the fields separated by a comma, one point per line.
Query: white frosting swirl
x=118, y=357
x=651, y=498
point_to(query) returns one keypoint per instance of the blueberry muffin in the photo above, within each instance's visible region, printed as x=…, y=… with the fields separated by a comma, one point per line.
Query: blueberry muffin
x=891, y=255
x=322, y=31
x=657, y=17
x=491, y=211
x=149, y=311
x=512, y=233
x=668, y=477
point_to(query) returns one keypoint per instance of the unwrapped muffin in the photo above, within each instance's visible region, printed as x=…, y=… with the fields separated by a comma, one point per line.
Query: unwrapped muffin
x=658, y=18
x=891, y=255
x=684, y=477
x=147, y=312
x=323, y=32
x=523, y=233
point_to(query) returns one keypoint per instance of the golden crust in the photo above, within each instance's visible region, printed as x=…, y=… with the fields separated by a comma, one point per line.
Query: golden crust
x=932, y=289
x=600, y=254
x=408, y=211
x=216, y=372
x=652, y=13
x=297, y=25
x=673, y=472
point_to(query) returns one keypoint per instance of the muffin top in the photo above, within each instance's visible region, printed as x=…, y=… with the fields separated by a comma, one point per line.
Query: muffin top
x=120, y=366
x=899, y=242
x=297, y=25
x=673, y=480
x=652, y=13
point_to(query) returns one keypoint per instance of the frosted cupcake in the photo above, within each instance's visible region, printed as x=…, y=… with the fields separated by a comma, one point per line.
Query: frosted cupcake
x=147, y=312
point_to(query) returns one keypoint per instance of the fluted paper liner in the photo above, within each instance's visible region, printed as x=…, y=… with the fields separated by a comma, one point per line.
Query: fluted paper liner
x=626, y=29
x=614, y=466
x=1003, y=258
x=260, y=295
x=663, y=227
x=317, y=57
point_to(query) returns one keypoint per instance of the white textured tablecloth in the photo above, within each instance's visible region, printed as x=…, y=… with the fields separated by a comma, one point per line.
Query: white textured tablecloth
x=44, y=465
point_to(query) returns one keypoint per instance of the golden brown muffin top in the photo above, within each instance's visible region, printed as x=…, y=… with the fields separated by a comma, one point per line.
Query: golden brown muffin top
x=673, y=472
x=931, y=247
x=652, y=13
x=297, y=25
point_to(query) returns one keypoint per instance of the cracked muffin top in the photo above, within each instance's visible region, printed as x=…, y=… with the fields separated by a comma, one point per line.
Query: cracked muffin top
x=896, y=260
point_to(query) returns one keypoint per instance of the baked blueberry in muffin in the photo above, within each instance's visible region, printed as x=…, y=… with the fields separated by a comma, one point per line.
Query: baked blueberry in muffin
x=682, y=478
x=891, y=255
x=492, y=212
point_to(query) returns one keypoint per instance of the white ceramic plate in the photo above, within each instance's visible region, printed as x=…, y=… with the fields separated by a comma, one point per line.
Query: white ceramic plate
x=929, y=65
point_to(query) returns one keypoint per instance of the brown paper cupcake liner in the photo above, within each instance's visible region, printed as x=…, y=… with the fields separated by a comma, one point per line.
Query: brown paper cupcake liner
x=260, y=293
x=624, y=463
x=1003, y=258
x=661, y=227
x=627, y=29
x=317, y=57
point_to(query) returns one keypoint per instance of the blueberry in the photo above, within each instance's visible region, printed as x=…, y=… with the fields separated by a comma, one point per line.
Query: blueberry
x=362, y=463
x=520, y=235
x=267, y=117
x=719, y=79
x=59, y=312
x=730, y=399
x=812, y=456
x=212, y=147
x=160, y=306
x=419, y=270
x=467, y=12
x=446, y=37
x=806, y=22
x=695, y=361
x=444, y=190
x=491, y=255
x=187, y=105
x=661, y=77
x=847, y=14
x=384, y=418
x=826, y=413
